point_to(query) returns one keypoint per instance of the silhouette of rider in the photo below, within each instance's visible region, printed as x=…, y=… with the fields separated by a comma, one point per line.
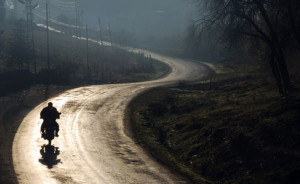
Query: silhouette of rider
x=49, y=115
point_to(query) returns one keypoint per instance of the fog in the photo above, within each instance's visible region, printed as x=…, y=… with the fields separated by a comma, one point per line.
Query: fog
x=144, y=20
x=140, y=16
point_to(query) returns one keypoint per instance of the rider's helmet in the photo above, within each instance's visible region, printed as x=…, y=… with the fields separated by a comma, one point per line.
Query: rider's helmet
x=50, y=104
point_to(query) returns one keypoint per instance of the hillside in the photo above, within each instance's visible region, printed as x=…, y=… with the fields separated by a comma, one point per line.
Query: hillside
x=71, y=61
x=22, y=90
x=227, y=130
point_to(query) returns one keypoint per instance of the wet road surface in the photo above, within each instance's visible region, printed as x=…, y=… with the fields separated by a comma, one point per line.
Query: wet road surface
x=93, y=145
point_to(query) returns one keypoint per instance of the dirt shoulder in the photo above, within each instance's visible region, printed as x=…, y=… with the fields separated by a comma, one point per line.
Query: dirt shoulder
x=13, y=109
x=236, y=130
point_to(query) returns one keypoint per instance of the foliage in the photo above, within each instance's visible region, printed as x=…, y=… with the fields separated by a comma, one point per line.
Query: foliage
x=68, y=60
x=238, y=130
x=14, y=81
x=204, y=45
x=2, y=11
x=19, y=52
x=275, y=23
x=1, y=45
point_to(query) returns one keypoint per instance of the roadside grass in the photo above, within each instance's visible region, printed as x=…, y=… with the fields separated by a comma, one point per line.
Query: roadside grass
x=72, y=66
x=230, y=129
x=17, y=97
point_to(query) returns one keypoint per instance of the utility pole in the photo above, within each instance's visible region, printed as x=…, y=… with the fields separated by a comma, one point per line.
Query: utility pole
x=29, y=29
x=76, y=18
x=47, y=23
x=100, y=32
x=33, y=44
x=76, y=30
x=28, y=7
x=109, y=32
x=2, y=12
x=32, y=37
x=87, y=50
x=100, y=51
x=108, y=68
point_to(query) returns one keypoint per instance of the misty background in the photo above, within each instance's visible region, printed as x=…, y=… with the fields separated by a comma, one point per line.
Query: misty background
x=155, y=22
x=254, y=46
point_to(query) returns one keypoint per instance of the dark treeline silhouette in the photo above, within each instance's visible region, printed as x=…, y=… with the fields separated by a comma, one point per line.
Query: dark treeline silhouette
x=272, y=28
x=19, y=51
x=72, y=61
x=2, y=10
x=14, y=81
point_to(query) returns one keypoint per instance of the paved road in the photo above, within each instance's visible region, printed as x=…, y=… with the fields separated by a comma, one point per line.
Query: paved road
x=94, y=145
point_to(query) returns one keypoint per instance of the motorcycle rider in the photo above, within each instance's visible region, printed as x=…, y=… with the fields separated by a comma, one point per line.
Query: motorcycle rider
x=49, y=114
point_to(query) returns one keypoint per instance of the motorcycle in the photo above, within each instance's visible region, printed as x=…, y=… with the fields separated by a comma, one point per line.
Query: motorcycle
x=49, y=131
x=48, y=134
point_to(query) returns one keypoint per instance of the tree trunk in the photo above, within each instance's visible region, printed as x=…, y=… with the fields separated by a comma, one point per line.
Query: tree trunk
x=280, y=68
x=284, y=71
x=276, y=73
x=276, y=46
x=293, y=21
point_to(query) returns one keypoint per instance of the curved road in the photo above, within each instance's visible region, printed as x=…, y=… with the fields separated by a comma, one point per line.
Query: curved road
x=94, y=146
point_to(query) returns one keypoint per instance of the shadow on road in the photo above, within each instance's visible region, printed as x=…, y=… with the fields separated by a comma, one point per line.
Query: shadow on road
x=49, y=155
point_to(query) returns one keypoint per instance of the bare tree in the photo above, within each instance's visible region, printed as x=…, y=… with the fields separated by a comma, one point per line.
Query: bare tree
x=292, y=13
x=1, y=45
x=19, y=48
x=259, y=19
x=2, y=11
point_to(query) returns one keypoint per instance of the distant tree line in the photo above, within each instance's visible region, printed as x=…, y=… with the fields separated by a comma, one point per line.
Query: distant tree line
x=73, y=62
x=273, y=26
x=2, y=10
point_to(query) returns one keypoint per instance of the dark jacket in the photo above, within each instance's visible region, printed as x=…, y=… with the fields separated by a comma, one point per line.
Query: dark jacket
x=48, y=113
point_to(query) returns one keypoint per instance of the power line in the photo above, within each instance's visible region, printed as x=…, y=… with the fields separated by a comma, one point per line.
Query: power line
x=65, y=24
x=73, y=5
x=65, y=2
x=64, y=6
x=96, y=28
